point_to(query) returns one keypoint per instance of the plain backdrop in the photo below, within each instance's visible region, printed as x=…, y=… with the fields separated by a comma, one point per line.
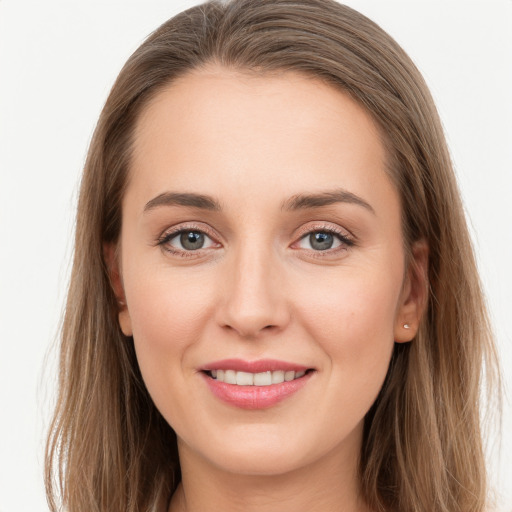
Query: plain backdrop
x=58, y=61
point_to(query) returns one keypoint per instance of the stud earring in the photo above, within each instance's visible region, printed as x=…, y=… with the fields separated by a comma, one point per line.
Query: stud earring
x=407, y=326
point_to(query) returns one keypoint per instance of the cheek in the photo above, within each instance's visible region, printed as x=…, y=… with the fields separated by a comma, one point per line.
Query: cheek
x=167, y=313
x=353, y=324
x=167, y=308
x=354, y=308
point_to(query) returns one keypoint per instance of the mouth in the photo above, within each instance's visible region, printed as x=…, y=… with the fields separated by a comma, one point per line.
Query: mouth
x=267, y=378
x=255, y=384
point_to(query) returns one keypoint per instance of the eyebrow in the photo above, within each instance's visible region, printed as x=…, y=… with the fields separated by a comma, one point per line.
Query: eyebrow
x=294, y=203
x=183, y=199
x=305, y=201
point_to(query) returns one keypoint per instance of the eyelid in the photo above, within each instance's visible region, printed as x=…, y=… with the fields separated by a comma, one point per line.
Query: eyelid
x=186, y=226
x=170, y=233
x=347, y=240
x=324, y=226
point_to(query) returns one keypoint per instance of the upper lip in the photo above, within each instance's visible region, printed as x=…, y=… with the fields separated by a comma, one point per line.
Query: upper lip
x=262, y=365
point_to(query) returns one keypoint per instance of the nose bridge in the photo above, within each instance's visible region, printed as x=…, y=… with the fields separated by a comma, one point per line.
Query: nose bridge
x=254, y=299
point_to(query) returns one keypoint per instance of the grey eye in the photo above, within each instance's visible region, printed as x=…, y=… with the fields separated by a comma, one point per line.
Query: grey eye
x=321, y=241
x=192, y=240
x=187, y=240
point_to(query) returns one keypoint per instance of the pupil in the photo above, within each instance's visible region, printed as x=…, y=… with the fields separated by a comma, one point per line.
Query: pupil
x=321, y=241
x=192, y=240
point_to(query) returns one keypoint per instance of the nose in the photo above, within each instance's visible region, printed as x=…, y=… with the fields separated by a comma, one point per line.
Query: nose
x=254, y=300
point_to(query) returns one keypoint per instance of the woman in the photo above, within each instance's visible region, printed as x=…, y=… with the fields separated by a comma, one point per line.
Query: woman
x=274, y=301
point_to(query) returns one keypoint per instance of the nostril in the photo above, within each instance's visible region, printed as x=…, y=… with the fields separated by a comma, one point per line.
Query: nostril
x=250, y=331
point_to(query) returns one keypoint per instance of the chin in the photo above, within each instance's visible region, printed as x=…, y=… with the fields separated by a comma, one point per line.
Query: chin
x=260, y=462
x=259, y=451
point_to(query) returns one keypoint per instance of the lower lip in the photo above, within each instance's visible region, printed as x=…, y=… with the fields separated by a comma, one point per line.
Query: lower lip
x=255, y=397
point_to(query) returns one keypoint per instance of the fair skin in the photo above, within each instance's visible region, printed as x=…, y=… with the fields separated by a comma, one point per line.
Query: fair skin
x=320, y=284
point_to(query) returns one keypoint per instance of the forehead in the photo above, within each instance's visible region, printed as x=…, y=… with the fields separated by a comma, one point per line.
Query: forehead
x=219, y=129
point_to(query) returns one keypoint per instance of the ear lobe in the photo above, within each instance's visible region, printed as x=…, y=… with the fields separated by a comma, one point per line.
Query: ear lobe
x=125, y=322
x=414, y=295
x=114, y=273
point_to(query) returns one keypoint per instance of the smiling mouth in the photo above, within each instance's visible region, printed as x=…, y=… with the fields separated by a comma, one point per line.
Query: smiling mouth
x=255, y=384
x=240, y=378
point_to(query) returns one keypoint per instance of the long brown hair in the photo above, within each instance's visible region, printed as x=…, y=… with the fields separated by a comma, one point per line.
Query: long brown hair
x=109, y=449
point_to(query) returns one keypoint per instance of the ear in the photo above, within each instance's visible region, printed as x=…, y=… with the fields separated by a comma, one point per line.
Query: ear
x=414, y=296
x=111, y=256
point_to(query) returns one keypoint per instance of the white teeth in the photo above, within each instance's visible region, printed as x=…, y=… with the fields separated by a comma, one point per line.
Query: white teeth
x=230, y=377
x=244, y=378
x=277, y=377
x=255, y=379
x=263, y=379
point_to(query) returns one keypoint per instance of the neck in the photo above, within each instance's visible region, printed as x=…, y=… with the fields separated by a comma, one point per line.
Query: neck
x=329, y=484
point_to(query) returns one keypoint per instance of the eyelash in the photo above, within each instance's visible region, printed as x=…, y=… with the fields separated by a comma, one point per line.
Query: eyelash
x=346, y=241
x=168, y=236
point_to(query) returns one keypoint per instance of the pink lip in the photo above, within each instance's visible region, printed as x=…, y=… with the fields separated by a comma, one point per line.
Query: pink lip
x=254, y=397
x=263, y=365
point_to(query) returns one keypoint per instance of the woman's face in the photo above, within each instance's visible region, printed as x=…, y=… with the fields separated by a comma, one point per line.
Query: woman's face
x=261, y=236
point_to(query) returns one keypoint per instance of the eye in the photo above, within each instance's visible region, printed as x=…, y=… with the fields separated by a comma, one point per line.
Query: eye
x=190, y=240
x=319, y=241
x=324, y=240
x=186, y=240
